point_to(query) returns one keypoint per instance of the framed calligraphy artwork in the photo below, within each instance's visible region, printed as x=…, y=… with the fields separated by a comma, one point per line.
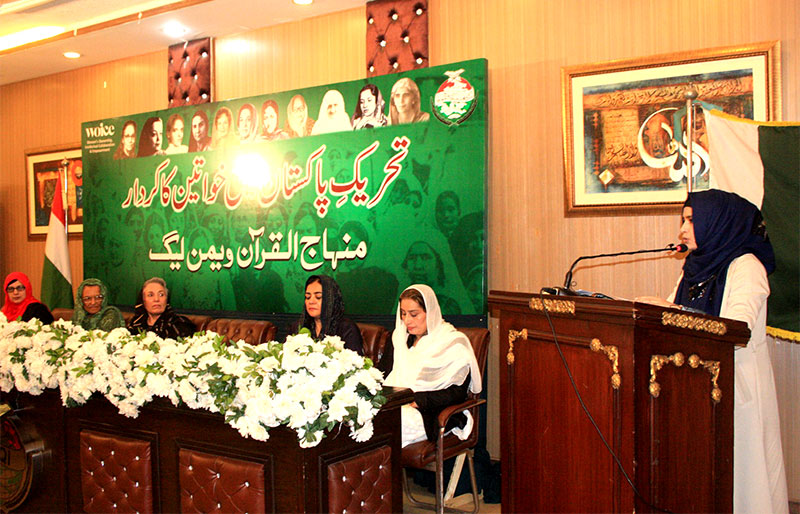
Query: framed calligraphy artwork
x=624, y=123
x=45, y=166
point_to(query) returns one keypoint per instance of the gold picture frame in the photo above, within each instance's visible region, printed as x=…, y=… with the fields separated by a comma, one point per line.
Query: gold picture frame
x=42, y=170
x=623, y=122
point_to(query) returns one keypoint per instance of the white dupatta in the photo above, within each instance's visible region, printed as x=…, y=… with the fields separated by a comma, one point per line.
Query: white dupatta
x=441, y=358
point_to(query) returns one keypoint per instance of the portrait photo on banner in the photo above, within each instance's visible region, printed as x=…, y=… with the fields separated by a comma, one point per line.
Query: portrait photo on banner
x=378, y=182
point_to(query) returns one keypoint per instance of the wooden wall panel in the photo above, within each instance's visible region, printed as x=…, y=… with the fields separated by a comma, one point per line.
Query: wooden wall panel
x=320, y=50
x=531, y=242
x=49, y=111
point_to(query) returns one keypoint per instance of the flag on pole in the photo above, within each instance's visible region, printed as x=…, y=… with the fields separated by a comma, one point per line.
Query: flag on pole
x=760, y=161
x=56, y=276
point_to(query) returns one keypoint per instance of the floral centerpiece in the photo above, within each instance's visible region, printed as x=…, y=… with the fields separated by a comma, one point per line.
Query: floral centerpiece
x=309, y=386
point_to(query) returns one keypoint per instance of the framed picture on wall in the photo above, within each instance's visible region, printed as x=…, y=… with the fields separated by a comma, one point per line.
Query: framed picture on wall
x=44, y=166
x=624, y=122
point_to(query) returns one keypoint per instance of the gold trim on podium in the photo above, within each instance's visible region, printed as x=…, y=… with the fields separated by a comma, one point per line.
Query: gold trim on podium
x=693, y=323
x=513, y=335
x=678, y=359
x=713, y=368
x=559, y=306
x=613, y=355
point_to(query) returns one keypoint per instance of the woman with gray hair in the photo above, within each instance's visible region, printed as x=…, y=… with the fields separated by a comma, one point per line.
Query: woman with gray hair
x=154, y=314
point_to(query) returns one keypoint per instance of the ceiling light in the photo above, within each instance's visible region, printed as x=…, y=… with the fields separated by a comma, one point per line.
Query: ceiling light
x=303, y=2
x=174, y=29
x=21, y=5
x=72, y=55
x=24, y=37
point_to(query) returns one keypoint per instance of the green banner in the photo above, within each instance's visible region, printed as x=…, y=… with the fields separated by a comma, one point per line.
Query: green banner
x=378, y=182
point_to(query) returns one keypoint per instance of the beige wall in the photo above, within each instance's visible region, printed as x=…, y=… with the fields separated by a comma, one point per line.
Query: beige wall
x=531, y=242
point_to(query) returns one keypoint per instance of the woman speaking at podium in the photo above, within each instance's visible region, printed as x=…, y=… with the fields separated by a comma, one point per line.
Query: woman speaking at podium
x=725, y=274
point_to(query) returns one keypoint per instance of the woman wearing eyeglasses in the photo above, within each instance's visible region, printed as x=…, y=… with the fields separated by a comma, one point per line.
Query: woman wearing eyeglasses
x=20, y=303
x=92, y=310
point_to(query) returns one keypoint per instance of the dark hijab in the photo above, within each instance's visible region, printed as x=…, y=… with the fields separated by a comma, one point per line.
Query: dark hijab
x=332, y=307
x=726, y=226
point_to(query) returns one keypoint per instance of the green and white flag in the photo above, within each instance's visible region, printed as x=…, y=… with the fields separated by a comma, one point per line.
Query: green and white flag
x=760, y=161
x=56, y=276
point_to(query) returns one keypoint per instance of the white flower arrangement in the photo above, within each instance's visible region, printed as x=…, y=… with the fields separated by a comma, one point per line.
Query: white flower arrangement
x=309, y=386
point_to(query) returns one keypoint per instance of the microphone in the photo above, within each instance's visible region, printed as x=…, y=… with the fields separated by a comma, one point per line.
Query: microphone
x=669, y=248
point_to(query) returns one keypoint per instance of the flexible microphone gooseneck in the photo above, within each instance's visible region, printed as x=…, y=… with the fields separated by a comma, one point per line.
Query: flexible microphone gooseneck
x=669, y=248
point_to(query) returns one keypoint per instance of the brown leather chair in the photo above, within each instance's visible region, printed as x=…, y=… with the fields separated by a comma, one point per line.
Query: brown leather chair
x=251, y=330
x=428, y=455
x=200, y=321
x=62, y=313
x=375, y=337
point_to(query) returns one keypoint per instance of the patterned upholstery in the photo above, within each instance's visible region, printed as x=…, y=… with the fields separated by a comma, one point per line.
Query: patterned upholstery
x=397, y=36
x=252, y=331
x=374, y=337
x=189, y=73
x=212, y=483
x=362, y=483
x=116, y=473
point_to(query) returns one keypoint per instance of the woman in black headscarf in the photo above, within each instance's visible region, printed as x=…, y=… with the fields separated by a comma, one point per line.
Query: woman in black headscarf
x=323, y=313
x=725, y=274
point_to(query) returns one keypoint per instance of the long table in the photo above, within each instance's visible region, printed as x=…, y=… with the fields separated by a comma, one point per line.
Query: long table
x=175, y=459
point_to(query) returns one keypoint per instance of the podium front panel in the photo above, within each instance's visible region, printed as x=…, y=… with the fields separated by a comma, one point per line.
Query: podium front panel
x=675, y=446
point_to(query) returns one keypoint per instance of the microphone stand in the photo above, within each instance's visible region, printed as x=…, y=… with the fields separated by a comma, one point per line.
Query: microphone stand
x=568, y=278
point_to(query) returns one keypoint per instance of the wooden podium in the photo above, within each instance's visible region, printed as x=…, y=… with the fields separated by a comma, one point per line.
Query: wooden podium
x=659, y=384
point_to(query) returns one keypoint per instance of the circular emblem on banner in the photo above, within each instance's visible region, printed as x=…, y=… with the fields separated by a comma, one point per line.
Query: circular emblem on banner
x=455, y=99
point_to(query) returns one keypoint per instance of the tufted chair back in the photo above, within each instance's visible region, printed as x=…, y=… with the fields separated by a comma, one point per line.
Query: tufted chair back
x=200, y=321
x=375, y=337
x=62, y=313
x=251, y=330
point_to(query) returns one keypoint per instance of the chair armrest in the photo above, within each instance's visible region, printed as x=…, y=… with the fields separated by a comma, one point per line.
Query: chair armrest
x=448, y=412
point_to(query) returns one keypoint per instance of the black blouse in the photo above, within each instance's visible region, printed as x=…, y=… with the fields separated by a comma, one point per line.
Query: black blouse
x=349, y=333
x=169, y=325
x=39, y=311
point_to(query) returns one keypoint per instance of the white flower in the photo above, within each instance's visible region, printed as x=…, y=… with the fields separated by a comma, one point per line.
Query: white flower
x=364, y=433
x=296, y=388
x=160, y=385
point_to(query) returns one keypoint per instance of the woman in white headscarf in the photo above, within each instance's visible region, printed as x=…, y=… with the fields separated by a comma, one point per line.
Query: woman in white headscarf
x=332, y=114
x=434, y=360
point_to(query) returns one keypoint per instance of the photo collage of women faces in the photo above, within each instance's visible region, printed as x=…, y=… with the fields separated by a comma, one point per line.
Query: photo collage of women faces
x=228, y=129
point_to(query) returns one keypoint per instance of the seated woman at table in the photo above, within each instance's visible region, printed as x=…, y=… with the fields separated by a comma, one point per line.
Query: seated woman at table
x=323, y=313
x=92, y=310
x=154, y=314
x=20, y=303
x=434, y=360
x=725, y=274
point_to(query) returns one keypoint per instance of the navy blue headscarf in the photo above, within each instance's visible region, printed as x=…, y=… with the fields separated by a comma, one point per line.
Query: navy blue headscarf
x=726, y=226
